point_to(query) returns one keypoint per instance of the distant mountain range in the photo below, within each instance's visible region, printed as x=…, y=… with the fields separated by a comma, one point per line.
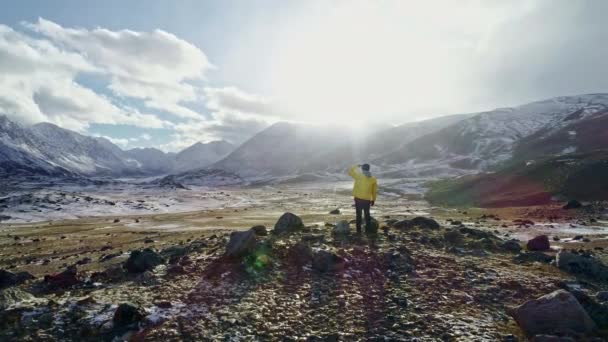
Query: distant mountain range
x=447, y=146
x=441, y=147
x=46, y=149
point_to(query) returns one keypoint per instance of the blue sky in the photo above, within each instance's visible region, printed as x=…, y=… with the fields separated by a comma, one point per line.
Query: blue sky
x=167, y=74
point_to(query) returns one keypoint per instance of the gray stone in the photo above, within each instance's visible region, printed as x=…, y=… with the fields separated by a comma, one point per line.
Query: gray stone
x=556, y=312
x=141, y=261
x=341, y=228
x=579, y=264
x=240, y=244
x=325, y=261
x=287, y=223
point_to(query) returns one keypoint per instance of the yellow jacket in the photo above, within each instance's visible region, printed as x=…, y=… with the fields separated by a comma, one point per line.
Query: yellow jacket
x=365, y=187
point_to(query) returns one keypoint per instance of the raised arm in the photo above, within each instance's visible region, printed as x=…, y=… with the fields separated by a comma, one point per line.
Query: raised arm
x=353, y=171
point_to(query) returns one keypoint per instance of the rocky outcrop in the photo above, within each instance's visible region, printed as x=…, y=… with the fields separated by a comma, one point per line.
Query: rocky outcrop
x=557, y=312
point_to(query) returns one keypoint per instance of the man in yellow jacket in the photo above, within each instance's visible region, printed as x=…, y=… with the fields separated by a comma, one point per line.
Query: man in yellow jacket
x=364, y=191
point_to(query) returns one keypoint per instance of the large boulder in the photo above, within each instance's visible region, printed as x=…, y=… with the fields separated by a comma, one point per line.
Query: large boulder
x=287, y=223
x=325, y=261
x=62, y=280
x=539, y=243
x=8, y=278
x=557, y=312
x=142, y=261
x=240, y=244
x=581, y=264
x=341, y=228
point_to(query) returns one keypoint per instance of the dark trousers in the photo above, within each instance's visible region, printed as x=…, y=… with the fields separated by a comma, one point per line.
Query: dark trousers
x=362, y=206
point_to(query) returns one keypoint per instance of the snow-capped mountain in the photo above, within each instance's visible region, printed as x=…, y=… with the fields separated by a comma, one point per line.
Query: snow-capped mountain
x=489, y=138
x=46, y=149
x=201, y=155
x=20, y=152
x=82, y=154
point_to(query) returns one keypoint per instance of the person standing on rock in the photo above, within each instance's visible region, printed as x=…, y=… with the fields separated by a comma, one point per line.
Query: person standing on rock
x=364, y=191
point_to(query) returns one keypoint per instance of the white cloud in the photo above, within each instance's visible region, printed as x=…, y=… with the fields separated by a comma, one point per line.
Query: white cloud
x=38, y=84
x=154, y=66
x=232, y=99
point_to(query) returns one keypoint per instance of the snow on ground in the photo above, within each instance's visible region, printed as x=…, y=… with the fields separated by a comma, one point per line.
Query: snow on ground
x=70, y=202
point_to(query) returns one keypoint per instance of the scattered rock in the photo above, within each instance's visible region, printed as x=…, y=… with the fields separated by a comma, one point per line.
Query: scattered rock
x=602, y=296
x=141, y=261
x=240, y=244
x=572, y=204
x=341, y=228
x=539, y=243
x=16, y=297
x=324, y=261
x=288, y=222
x=62, y=280
x=557, y=312
x=581, y=264
x=128, y=314
x=335, y=212
x=300, y=254
x=8, y=278
x=176, y=269
x=532, y=257
x=420, y=221
x=373, y=228
x=511, y=245
x=260, y=230
x=453, y=237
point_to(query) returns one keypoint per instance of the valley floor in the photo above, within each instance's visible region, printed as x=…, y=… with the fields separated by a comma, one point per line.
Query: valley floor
x=402, y=284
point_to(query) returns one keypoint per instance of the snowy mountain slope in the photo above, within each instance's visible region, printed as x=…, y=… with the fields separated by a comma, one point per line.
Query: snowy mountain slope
x=201, y=155
x=47, y=149
x=152, y=160
x=82, y=154
x=19, y=153
x=282, y=149
x=376, y=144
x=488, y=138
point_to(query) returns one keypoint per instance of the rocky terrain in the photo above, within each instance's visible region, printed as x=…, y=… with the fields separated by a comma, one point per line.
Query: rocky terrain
x=423, y=273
